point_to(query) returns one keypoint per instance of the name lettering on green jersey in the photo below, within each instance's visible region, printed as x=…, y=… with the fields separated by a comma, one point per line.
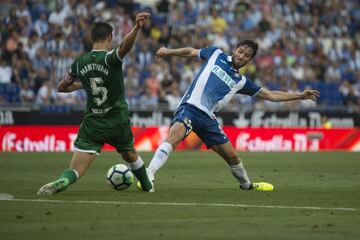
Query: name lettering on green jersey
x=94, y=67
x=100, y=111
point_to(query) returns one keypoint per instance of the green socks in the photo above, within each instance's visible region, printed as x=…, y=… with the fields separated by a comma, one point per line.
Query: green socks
x=139, y=170
x=70, y=175
x=141, y=175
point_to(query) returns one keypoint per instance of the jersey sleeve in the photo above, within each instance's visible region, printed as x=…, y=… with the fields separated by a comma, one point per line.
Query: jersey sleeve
x=112, y=58
x=250, y=88
x=205, y=53
x=74, y=68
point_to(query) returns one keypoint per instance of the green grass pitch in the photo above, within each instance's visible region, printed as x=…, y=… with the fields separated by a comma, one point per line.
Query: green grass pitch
x=196, y=198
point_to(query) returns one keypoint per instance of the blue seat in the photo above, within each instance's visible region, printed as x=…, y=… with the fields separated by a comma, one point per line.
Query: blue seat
x=10, y=92
x=54, y=109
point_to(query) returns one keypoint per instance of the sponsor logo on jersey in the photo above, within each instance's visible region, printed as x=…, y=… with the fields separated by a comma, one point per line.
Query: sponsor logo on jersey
x=218, y=71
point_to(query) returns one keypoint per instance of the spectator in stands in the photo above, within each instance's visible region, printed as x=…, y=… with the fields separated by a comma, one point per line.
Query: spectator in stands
x=70, y=9
x=332, y=73
x=351, y=100
x=41, y=25
x=334, y=53
x=47, y=93
x=33, y=45
x=68, y=27
x=131, y=79
x=165, y=35
x=219, y=39
x=57, y=43
x=58, y=16
x=11, y=19
x=170, y=94
x=41, y=77
x=22, y=9
x=147, y=100
x=303, y=40
x=62, y=63
x=163, y=7
x=218, y=24
x=203, y=21
x=11, y=45
x=309, y=72
x=42, y=60
x=25, y=25
x=27, y=95
x=84, y=9
x=22, y=69
x=189, y=13
x=144, y=56
x=131, y=98
x=152, y=83
x=5, y=72
x=297, y=71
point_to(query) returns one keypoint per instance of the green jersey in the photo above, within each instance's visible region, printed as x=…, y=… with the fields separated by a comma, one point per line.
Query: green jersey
x=100, y=72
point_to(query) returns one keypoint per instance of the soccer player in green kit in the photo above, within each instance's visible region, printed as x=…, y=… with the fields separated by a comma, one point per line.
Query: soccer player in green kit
x=106, y=119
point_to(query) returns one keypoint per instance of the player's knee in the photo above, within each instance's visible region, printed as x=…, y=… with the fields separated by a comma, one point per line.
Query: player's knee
x=129, y=156
x=233, y=160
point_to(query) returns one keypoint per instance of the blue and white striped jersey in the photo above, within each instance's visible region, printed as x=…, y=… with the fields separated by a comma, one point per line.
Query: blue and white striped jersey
x=216, y=83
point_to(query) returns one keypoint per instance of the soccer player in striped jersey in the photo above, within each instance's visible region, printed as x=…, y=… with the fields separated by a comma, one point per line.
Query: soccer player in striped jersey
x=211, y=90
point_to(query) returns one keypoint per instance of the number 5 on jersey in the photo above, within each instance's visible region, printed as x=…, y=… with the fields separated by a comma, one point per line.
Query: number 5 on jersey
x=97, y=89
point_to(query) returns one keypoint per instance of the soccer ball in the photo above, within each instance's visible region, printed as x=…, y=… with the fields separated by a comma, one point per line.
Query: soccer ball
x=119, y=177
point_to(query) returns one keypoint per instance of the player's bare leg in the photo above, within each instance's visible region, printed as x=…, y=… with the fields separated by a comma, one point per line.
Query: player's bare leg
x=80, y=162
x=229, y=154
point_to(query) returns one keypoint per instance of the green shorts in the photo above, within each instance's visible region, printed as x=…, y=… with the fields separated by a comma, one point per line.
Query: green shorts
x=91, y=138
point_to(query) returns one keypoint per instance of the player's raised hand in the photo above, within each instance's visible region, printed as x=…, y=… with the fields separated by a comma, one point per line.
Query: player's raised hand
x=310, y=94
x=141, y=18
x=161, y=52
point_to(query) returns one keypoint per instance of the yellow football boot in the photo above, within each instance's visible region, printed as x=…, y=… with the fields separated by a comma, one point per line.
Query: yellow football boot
x=262, y=186
x=259, y=186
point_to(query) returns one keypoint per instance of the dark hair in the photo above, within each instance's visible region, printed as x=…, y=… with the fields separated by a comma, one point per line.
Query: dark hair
x=254, y=46
x=100, y=31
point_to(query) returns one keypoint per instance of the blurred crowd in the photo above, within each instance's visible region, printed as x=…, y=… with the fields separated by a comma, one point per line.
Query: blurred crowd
x=303, y=44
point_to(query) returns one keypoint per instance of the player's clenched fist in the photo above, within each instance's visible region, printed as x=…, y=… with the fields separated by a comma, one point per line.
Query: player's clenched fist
x=141, y=18
x=163, y=51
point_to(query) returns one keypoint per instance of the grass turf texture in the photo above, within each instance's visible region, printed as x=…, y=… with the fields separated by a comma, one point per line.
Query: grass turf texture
x=328, y=180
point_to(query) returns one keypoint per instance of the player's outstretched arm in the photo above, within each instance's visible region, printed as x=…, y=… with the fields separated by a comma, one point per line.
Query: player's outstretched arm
x=186, y=52
x=69, y=84
x=129, y=40
x=280, y=96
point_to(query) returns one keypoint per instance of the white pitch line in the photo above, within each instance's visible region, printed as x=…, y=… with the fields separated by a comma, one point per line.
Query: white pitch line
x=181, y=204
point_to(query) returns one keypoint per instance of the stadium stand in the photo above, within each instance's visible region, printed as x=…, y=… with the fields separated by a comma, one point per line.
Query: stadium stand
x=303, y=44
